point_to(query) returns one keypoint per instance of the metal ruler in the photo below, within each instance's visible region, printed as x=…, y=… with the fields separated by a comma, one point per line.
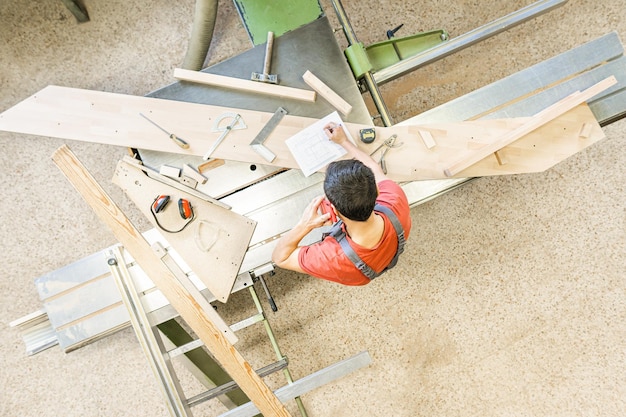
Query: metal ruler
x=257, y=143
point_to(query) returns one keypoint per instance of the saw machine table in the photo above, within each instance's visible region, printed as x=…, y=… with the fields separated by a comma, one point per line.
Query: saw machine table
x=269, y=195
x=275, y=198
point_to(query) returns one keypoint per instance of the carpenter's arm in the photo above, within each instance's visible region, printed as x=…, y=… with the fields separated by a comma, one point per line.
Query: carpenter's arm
x=286, y=252
x=338, y=135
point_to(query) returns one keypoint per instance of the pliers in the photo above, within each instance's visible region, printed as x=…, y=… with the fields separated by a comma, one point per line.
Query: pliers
x=389, y=143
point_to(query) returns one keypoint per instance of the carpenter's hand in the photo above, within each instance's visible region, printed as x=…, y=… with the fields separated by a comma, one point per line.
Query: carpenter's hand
x=311, y=219
x=335, y=133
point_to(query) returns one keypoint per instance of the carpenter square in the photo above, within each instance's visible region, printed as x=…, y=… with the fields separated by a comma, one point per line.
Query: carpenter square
x=266, y=77
x=257, y=143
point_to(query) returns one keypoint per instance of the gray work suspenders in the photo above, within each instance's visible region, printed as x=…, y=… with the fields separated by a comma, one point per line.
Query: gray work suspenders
x=340, y=236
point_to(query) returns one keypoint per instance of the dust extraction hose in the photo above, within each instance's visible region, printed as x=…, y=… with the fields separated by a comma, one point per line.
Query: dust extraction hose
x=201, y=34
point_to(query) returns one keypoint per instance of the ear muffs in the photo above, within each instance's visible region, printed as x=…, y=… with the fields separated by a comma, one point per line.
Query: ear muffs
x=160, y=202
x=185, y=209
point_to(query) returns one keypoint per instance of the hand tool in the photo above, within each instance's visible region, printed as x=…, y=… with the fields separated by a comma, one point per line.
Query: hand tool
x=389, y=143
x=266, y=77
x=383, y=163
x=235, y=122
x=172, y=136
x=257, y=143
x=368, y=135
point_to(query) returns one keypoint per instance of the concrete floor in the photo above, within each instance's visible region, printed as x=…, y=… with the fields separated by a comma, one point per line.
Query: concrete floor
x=509, y=301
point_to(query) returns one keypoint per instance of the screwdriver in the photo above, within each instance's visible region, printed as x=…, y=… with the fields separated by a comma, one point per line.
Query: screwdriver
x=172, y=136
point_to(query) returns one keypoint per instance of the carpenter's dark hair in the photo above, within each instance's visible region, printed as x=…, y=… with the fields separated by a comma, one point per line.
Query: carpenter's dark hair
x=351, y=187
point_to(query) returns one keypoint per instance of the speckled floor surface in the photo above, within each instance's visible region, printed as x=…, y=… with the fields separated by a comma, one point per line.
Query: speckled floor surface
x=510, y=300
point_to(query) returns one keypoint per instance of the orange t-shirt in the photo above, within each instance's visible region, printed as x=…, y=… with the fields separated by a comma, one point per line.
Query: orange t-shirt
x=326, y=259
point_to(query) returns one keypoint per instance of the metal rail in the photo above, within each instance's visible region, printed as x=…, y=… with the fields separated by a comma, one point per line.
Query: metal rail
x=468, y=39
x=368, y=77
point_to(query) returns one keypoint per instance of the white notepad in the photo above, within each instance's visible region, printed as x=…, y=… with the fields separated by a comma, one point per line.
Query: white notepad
x=312, y=149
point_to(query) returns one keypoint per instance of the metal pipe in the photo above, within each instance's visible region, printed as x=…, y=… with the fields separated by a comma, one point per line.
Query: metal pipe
x=468, y=39
x=201, y=34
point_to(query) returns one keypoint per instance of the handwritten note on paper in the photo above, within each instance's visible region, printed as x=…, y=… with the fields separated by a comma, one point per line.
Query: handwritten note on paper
x=312, y=149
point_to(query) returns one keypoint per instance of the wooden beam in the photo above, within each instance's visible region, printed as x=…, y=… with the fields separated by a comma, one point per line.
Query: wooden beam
x=427, y=138
x=325, y=91
x=223, y=351
x=536, y=121
x=585, y=131
x=244, y=85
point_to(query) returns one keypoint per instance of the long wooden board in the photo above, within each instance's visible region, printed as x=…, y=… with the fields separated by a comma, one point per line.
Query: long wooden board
x=114, y=119
x=128, y=235
x=244, y=85
x=213, y=244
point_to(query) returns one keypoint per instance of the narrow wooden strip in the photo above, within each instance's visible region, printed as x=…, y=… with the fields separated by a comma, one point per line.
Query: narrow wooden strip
x=169, y=171
x=325, y=91
x=210, y=164
x=427, y=138
x=223, y=351
x=244, y=85
x=585, y=131
x=501, y=157
x=191, y=172
x=535, y=122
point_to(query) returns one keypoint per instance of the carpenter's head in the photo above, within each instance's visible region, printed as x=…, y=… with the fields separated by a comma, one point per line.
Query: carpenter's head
x=351, y=187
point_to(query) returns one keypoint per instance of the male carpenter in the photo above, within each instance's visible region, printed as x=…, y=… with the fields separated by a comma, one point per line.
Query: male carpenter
x=354, y=188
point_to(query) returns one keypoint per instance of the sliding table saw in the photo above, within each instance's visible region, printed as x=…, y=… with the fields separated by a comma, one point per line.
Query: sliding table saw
x=275, y=198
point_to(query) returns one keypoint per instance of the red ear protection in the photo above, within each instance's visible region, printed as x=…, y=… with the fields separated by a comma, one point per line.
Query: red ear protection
x=160, y=202
x=184, y=209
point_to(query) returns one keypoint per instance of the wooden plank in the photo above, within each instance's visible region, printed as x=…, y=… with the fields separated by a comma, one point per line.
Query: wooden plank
x=427, y=138
x=325, y=91
x=223, y=81
x=585, y=132
x=216, y=265
x=114, y=119
x=536, y=121
x=191, y=172
x=534, y=103
x=128, y=235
